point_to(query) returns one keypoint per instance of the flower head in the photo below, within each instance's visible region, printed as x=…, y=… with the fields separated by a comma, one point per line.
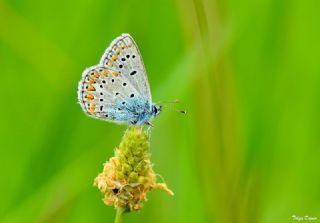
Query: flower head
x=128, y=176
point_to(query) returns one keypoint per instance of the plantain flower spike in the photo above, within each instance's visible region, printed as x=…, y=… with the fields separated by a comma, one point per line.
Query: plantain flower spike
x=128, y=176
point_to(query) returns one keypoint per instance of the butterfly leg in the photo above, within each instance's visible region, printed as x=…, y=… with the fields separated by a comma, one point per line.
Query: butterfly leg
x=149, y=129
x=149, y=124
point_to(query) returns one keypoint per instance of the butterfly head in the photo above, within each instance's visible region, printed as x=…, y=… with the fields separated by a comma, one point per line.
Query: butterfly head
x=156, y=109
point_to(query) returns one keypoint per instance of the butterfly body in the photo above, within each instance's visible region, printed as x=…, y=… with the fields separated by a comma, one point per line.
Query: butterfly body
x=136, y=111
x=117, y=89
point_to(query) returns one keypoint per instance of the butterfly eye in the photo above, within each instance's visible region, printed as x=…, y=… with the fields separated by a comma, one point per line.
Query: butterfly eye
x=154, y=109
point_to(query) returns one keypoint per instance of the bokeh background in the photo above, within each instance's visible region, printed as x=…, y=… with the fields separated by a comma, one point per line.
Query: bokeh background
x=247, y=72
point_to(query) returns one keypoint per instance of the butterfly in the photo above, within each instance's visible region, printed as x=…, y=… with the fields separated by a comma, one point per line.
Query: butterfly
x=117, y=89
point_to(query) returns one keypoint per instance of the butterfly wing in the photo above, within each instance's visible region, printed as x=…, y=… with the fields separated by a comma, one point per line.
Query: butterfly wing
x=117, y=89
x=101, y=93
x=123, y=54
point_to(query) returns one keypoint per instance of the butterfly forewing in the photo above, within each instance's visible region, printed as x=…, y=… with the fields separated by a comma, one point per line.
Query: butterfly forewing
x=123, y=55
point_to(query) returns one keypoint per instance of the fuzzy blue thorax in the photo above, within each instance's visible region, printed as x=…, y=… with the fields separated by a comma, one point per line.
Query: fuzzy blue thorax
x=135, y=111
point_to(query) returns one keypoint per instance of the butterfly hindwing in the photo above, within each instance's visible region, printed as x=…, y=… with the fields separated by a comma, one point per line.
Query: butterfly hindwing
x=102, y=90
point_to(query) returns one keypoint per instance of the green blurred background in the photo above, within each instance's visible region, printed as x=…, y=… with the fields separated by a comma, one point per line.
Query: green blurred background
x=248, y=73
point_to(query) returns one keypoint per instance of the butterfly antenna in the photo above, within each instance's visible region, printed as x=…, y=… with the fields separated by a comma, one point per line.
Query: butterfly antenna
x=169, y=102
x=181, y=111
x=172, y=105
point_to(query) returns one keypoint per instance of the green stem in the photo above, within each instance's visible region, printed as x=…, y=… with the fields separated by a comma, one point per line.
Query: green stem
x=119, y=214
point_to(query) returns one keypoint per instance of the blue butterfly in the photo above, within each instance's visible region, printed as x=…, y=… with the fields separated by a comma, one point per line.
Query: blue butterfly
x=117, y=89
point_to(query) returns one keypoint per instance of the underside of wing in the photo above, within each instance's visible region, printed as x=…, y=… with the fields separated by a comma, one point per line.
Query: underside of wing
x=123, y=55
x=101, y=91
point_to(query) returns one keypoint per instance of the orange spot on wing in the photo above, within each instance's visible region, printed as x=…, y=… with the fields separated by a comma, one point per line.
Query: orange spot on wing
x=90, y=97
x=96, y=75
x=91, y=88
x=105, y=73
x=92, y=108
x=115, y=73
x=91, y=81
x=110, y=64
x=114, y=57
